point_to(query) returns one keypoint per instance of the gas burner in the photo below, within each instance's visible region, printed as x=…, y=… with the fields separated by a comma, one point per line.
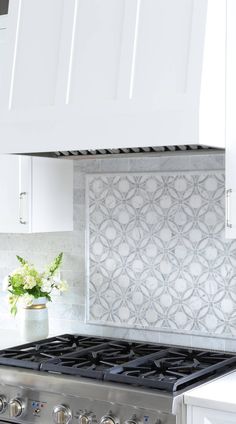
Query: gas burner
x=31, y=355
x=174, y=370
x=94, y=363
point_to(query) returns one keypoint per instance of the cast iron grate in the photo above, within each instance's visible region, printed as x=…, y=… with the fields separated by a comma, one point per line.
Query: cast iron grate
x=174, y=371
x=32, y=355
x=95, y=362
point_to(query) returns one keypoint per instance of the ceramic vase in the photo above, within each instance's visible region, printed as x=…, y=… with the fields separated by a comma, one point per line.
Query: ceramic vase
x=34, y=321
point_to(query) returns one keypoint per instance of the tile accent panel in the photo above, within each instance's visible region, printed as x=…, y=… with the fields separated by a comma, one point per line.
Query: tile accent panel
x=157, y=258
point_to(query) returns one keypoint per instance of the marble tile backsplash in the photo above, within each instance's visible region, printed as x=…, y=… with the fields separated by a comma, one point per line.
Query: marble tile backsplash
x=157, y=254
x=209, y=303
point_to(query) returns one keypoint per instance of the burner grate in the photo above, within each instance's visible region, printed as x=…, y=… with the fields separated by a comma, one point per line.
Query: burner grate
x=95, y=362
x=174, y=371
x=32, y=355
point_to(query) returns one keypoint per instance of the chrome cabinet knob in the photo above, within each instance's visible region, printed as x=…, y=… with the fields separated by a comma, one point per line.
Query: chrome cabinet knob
x=16, y=408
x=3, y=404
x=109, y=419
x=85, y=418
x=62, y=414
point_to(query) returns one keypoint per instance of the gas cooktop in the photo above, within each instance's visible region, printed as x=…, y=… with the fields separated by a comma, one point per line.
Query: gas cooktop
x=32, y=355
x=135, y=363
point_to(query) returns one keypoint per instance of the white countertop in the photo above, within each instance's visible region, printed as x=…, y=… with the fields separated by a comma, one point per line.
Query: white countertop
x=218, y=394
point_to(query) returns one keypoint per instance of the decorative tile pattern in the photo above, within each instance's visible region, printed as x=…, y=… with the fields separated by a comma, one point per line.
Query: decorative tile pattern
x=157, y=258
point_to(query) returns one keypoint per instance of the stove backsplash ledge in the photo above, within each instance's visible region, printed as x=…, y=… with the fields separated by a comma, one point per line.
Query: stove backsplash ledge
x=147, y=259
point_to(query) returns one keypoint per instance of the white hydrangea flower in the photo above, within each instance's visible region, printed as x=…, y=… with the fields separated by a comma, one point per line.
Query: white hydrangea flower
x=27, y=269
x=62, y=286
x=47, y=285
x=26, y=300
x=29, y=282
x=18, y=271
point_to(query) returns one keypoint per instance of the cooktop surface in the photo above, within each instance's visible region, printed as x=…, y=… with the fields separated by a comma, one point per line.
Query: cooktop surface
x=136, y=363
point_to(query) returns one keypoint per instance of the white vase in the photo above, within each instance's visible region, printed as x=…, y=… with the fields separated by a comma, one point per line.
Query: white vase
x=34, y=321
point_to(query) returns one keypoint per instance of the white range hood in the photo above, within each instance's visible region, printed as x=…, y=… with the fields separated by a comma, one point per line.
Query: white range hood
x=107, y=74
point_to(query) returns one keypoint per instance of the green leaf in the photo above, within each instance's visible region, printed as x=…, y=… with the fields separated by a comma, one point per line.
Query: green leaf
x=55, y=265
x=21, y=260
x=18, y=291
x=47, y=295
x=35, y=291
x=14, y=310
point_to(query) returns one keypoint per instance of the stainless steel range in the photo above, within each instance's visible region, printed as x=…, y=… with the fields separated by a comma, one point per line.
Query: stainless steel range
x=89, y=380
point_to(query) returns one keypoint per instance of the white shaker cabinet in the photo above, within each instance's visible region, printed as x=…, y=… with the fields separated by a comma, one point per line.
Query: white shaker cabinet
x=213, y=402
x=231, y=122
x=197, y=415
x=3, y=50
x=86, y=74
x=36, y=194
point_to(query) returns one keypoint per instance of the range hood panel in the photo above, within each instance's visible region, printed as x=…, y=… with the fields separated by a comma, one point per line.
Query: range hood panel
x=114, y=74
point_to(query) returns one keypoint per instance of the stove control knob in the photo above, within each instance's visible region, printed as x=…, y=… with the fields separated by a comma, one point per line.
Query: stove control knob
x=109, y=419
x=85, y=418
x=3, y=404
x=16, y=407
x=62, y=414
x=133, y=420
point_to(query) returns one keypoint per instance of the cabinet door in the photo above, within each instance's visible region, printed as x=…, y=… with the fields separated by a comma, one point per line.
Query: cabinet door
x=231, y=122
x=14, y=186
x=52, y=195
x=33, y=66
x=210, y=416
x=86, y=74
x=3, y=45
x=3, y=49
x=36, y=194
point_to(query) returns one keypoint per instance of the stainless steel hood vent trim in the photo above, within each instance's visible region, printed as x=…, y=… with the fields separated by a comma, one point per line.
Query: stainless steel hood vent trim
x=129, y=151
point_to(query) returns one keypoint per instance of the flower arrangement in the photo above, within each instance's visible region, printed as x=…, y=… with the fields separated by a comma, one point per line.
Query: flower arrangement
x=26, y=283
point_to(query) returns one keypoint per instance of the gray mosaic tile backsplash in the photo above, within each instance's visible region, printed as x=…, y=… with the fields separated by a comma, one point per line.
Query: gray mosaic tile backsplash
x=157, y=254
x=215, y=297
